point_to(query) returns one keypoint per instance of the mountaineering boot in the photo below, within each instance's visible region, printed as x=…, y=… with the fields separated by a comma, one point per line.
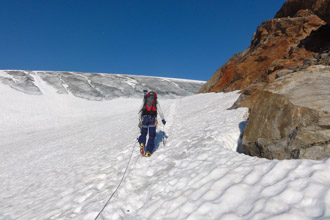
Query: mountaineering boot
x=142, y=149
x=148, y=154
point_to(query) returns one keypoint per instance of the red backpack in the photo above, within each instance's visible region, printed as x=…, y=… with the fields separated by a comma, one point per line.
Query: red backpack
x=150, y=104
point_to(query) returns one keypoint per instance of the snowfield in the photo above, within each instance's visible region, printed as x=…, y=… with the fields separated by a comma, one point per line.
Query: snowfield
x=62, y=157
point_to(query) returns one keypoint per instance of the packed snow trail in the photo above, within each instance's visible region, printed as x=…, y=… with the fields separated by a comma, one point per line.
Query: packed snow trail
x=61, y=157
x=198, y=174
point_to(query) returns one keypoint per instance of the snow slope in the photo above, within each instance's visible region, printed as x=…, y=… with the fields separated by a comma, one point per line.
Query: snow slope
x=61, y=157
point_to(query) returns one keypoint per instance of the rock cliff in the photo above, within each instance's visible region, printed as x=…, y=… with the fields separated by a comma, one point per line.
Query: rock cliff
x=320, y=7
x=290, y=117
x=286, y=92
x=278, y=44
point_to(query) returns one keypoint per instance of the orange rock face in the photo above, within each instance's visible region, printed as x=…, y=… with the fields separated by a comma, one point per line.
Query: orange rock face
x=320, y=7
x=282, y=43
x=282, y=71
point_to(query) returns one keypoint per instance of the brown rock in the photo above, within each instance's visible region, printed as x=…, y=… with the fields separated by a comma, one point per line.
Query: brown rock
x=286, y=94
x=275, y=46
x=320, y=7
x=290, y=117
x=304, y=13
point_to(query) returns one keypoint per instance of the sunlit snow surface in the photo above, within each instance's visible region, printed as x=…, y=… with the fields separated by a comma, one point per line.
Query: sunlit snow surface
x=61, y=157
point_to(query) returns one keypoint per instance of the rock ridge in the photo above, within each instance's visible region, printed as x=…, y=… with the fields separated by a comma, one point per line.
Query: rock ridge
x=284, y=80
x=278, y=44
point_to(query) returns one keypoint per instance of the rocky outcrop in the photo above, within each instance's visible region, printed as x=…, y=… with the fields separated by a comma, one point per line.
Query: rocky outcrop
x=320, y=7
x=286, y=93
x=278, y=44
x=290, y=117
x=293, y=40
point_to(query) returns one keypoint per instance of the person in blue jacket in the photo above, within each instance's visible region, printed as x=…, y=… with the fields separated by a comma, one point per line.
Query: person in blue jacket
x=148, y=122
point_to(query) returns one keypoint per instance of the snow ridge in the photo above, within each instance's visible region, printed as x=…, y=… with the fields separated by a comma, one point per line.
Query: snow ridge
x=97, y=86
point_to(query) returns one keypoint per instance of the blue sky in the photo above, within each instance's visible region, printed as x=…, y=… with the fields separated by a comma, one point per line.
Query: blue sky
x=170, y=38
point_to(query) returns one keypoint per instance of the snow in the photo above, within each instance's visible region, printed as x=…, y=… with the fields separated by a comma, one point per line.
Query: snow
x=98, y=86
x=61, y=157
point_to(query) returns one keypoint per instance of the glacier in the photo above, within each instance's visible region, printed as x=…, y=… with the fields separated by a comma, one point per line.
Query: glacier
x=98, y=86
x=63, y=155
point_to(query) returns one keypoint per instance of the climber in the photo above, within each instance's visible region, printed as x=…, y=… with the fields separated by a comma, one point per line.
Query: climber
x=148, y=122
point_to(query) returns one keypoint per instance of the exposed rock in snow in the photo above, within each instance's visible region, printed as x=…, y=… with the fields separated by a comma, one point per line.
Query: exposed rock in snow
x=290, y=118
x=280, y=126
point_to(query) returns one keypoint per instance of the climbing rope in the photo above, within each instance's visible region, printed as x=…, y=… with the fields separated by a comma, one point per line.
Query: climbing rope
x=118, y=184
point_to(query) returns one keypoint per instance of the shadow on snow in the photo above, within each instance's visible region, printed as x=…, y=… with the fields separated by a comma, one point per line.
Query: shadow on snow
x=161, y=138
x=241, y=126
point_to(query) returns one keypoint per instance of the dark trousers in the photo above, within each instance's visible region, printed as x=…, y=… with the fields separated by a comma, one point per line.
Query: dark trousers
x=148, y=123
